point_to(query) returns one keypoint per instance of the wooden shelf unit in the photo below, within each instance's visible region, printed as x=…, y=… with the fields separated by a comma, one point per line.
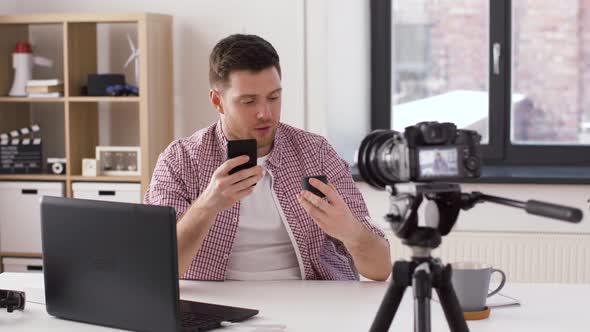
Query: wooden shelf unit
x=80, y=178
x=31, y=100
x=32, y=177
x=81, y=99
x=104, y=99
x=21, y=254
x=79, y=34
x=152, y=109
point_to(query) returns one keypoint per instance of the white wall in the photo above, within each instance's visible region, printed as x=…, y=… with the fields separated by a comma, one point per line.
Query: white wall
x=7, y=7
x=338, y=84
x=324, y=55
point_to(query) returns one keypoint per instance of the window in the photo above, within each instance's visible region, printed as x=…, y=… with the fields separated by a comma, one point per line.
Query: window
x=550, y=72
x=412, y=56
x=517, y=72
x=439, y=67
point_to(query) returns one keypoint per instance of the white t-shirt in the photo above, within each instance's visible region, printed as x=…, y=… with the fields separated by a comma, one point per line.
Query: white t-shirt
x=264, y=247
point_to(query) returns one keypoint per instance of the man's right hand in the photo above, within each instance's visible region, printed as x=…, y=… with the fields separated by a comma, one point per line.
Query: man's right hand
x=225, y=190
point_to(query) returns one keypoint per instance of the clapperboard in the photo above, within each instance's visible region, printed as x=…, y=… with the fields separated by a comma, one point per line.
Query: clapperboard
x=21, y=151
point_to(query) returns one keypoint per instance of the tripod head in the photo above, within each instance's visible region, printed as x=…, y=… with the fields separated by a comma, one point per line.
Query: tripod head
x=444, y=202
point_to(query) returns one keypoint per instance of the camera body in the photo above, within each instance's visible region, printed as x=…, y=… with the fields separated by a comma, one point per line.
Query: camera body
x=440, y=151
x=56, y=166
x=427, y=151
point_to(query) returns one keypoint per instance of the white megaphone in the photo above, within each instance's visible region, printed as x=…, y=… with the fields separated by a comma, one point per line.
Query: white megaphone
x=22, y=62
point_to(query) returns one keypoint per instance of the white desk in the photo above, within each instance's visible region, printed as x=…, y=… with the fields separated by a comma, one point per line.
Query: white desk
x=331, y=306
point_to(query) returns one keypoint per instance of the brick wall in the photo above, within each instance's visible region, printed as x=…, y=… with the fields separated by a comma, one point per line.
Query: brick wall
x=459, y=51
x=550, y=63
x=546, y=68
x=584, y=107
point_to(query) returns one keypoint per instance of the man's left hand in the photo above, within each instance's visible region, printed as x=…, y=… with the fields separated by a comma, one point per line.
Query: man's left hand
x=332, y=215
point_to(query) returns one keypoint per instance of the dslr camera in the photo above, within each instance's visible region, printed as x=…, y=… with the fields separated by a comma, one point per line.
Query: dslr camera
x=427, y=151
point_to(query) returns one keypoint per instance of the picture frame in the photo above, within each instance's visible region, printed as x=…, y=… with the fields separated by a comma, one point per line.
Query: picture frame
x=118, y=160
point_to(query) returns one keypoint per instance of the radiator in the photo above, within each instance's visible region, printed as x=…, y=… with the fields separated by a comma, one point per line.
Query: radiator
x=525, y=257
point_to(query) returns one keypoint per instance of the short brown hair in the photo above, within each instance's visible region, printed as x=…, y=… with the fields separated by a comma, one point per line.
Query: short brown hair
x=241, y=52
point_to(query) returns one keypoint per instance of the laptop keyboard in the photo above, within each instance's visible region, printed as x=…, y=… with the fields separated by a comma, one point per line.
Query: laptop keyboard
x=192, y=319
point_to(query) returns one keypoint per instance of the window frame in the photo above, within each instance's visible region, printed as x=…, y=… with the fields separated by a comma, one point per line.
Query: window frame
x=503, y=161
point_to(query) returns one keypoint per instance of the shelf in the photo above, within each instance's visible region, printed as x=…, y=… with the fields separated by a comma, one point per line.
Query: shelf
x=82, y=17
x=5, y=99
x=104, y=99
x=32, y=177
x=50, y=177
x=21, y=254
x=80, y=178
x=31, y=100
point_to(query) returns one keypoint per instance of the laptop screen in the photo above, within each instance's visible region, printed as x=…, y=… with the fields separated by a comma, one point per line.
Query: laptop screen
x=110, y=263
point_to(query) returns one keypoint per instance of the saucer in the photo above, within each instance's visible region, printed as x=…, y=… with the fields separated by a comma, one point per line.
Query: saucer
x=477, y=315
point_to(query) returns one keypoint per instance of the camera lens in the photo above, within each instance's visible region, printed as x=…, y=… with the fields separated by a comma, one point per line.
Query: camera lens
x=381, y=159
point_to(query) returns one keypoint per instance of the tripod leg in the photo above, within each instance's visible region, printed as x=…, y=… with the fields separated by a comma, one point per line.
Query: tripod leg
x=422, y=294
x=400, y=280
x=450, y=303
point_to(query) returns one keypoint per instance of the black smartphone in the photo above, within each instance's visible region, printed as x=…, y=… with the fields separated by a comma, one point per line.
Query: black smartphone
x=242, y=147
x=307, y=186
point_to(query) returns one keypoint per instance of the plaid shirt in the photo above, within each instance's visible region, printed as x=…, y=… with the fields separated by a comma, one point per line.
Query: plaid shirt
x=185, y=168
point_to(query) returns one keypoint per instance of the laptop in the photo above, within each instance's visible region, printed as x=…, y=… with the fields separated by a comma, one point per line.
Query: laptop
x=115, y=264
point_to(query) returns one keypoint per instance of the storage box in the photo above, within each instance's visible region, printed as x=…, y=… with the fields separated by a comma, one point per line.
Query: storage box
x=20, y=214
x=34, y=265
x=103, y=191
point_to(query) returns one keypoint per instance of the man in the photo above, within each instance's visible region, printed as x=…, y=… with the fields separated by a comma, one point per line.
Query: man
x=440, y=165
x=256, y=224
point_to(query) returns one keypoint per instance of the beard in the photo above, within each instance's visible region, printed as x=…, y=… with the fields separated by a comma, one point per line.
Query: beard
x=233, y=130
x=266, y=138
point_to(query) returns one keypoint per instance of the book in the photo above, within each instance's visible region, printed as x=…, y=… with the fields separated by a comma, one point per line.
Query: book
x=49, y=82
x=501, y=300
x=45, y=95
x=45, y=88
x=497, y=300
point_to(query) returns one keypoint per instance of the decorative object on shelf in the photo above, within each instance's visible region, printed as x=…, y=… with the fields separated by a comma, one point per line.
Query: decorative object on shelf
x=90, y=167
x=56, y=166
x=122, y=90
x=51, y=88
x=98, y=83
x=119, y=160
x=23, y=62
x=21, y=151
x=133, y=57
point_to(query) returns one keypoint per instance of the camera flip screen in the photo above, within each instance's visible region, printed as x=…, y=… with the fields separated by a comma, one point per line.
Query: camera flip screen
x=438, y=162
